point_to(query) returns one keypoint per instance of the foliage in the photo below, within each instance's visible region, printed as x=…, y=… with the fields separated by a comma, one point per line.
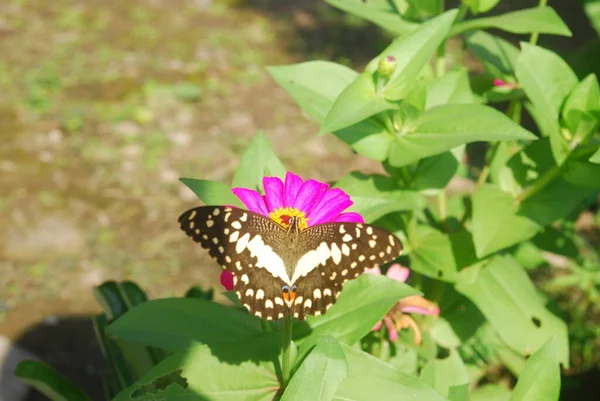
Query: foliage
x=470, y=251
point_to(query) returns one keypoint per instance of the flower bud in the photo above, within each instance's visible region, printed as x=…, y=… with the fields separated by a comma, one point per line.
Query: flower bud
x=387, y=65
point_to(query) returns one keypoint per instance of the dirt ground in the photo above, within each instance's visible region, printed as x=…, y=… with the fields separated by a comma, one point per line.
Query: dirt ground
x=104, y=105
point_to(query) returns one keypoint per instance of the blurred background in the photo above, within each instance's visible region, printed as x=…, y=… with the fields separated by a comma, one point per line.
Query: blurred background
x=105, y=104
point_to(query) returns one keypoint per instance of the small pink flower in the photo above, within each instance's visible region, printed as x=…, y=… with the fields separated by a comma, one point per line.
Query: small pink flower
x=396, y=319
x=314, y=202
x=500, y=83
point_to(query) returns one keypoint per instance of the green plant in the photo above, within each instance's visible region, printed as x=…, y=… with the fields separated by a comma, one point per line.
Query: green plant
x=470, y=251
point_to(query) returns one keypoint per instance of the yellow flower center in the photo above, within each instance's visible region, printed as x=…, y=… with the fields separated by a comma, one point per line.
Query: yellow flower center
x=282, y=217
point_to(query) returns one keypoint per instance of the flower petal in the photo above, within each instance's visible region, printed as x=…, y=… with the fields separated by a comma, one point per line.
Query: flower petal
x=418, y=304
x=405, y=322
x=227, y=280
x=398, y=272
x=377, y=326
x=350, y=217
x=254, y=201
x=331, y=205
x=393, y=333
x=273, y=193
x=291, y=188
x=374, y=270
x=309, y=195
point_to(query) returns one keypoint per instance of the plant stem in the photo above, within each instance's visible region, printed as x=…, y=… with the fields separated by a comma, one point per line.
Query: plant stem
x=539, y=184
x=442, y=209
x=534, y=35
x=287, y=343
x=440, y=63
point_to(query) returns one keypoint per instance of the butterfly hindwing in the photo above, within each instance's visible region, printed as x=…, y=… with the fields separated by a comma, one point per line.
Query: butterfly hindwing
x=335, y=253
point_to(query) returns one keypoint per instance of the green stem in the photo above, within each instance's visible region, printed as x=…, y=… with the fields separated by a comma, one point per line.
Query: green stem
x=440, y=63
x=534, y=35
x=442, y=209
x=539, y=184
x=286, y=365
x=462, y=12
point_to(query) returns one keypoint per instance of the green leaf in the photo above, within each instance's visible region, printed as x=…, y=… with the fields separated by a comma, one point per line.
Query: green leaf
x=508, y=299
x=447, y=375
x=538, y=19
x=412, y=52
x=445, y=127
x=435, y=172
x=596, y=157
x=209, y=372
x=365, y=388
x=582, y=173
x=540, y=380
x=358, y=101
x=368, y=138
x=496, y=224
x=376, y=195
x=49, y=382
x=451, y=88
x=381, y=13
x=320, y=374
x=497, y=55
x=175, y=323
x=211, y=192
x=480, y=6
x=584, y=97
x=314, y=85
x=430, y=253
x=592, y=9
x=361, y=304
x=547, y=88
x=258, y=161
x=490, y=392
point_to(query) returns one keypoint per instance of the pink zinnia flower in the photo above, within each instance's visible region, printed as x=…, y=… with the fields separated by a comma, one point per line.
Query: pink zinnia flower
x=313, y=201
x=396, y=319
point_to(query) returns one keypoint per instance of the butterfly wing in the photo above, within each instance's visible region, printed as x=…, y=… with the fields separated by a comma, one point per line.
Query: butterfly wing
x=246, y=245
x=333, y=254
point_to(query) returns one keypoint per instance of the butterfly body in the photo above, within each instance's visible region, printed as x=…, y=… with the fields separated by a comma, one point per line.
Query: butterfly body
x=280, y=271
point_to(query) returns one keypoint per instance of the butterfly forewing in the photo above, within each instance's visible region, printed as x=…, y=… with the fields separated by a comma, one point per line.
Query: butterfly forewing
x=265, y=258
x=335, y=253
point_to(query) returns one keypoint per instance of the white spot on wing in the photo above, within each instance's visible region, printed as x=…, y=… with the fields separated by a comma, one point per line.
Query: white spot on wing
x=244, y=217
x=237, y=225
x=242, y=242
x=269, y=304
x=307, y=303
x=216, y=212
x=260, y=294
x=209, y=223
x=347, y=237
x=372, y=243
x=278, y=301
x=317, y=293
x=345, y=249
x=192, y=215
x=370, y=230
x=327, y=292
x=234, y=236
x=245, y=279
x=336, y=254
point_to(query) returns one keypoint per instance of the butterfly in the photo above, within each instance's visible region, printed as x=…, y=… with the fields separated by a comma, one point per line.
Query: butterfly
x=280, y=271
